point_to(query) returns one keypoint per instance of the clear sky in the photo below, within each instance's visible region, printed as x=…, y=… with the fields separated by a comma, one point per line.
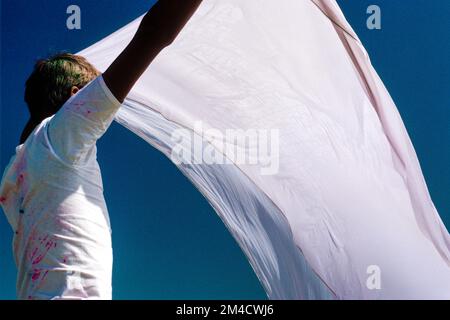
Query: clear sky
x=168, y=242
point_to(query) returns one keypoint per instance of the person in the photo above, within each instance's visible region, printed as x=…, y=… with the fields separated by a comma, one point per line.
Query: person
x=51, y=191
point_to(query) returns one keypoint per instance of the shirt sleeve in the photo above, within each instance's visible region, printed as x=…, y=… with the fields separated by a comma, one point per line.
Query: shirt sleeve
x=82, y=120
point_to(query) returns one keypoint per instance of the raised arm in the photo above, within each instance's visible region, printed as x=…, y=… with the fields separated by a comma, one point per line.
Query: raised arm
x=159, y=27
x=84, y=118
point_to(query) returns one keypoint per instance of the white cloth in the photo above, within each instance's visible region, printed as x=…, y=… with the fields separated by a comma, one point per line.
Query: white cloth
x=348, y=200
x=52, y=195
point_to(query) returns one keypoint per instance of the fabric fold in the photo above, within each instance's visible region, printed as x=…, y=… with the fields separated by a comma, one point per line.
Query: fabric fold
x=330, y=188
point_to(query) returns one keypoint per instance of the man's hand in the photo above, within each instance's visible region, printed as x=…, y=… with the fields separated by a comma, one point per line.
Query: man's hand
x=158, y=29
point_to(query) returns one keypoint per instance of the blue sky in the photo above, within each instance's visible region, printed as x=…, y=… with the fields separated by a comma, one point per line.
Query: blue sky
x=168, y=242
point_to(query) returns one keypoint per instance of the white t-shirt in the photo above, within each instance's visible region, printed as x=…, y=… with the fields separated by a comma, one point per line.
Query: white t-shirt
x=52, y=195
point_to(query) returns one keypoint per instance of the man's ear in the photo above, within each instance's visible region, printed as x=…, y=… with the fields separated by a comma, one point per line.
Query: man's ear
x=74, y=90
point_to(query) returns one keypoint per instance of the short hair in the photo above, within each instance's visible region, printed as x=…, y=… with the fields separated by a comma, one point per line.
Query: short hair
x=49, y=85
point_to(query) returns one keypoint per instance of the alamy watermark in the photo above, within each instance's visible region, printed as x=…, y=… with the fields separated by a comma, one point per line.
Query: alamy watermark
x=373, y=281
x=259, y=147
x=374, y=20
x=73, y=21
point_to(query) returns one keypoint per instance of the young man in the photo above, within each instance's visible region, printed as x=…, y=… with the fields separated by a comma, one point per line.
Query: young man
x=51, y=191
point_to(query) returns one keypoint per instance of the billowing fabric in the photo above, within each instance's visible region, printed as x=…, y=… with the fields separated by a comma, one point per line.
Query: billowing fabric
x=346, y=213
x=52, y=195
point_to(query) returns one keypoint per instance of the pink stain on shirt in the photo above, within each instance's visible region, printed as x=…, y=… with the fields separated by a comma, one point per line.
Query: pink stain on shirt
x=39, y=254
x=2, y=199
x=33, y=253
x=36, y=274
x=44, y=239
x=20, y=180
x=38, y=259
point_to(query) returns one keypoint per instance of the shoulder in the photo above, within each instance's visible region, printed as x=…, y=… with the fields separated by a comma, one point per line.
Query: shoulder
x=39, y=135
x=95, y=92
x=39, y=145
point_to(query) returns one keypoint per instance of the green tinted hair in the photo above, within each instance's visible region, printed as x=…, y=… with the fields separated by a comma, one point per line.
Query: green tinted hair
x=49, y=85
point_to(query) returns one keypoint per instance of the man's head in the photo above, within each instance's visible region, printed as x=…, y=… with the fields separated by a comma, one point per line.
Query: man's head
x=52, y=82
